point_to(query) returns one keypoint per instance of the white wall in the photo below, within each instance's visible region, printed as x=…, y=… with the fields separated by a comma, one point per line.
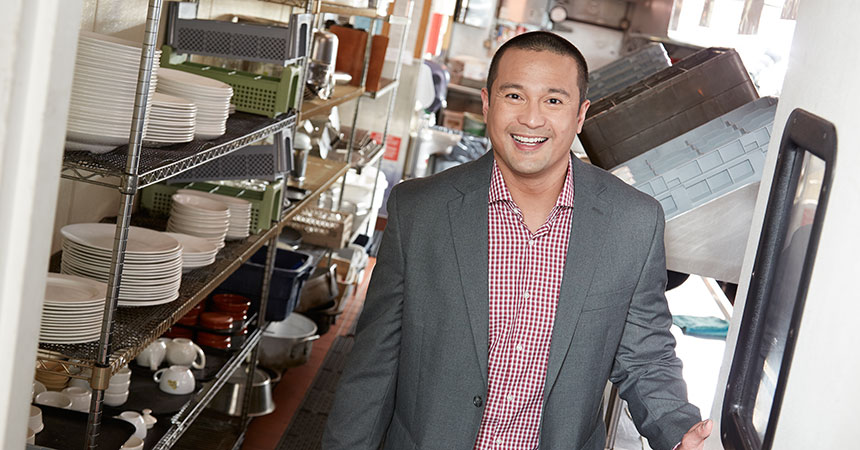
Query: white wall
x=37, y=47
x=818, y=409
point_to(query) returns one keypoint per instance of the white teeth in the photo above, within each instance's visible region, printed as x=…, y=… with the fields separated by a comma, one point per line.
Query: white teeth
x=528, y=140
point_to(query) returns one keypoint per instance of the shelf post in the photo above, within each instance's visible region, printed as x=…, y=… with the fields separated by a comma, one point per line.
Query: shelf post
x=391, y=101
x=271, y=252
x=127, y=189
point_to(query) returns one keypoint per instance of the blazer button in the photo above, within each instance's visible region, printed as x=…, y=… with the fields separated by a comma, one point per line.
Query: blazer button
x=478, y=401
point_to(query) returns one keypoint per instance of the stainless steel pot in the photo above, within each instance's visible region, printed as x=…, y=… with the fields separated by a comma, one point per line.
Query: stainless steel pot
x=229, y=399
x=288, y=343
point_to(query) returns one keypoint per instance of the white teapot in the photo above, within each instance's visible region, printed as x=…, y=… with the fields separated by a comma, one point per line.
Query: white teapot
x=176, y=380
x=153, y=354
x=183, y=352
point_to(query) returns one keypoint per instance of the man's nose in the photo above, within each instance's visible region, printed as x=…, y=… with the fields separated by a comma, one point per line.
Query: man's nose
x=531, y=115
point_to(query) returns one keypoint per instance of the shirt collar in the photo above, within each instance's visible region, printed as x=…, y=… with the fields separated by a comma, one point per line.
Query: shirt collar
x=499, y=190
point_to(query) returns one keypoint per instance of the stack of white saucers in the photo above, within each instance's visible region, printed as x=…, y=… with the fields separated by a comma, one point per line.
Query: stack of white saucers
x=201, y=217
x=171, y=120
x=212, y=98
x=73, y=309
x=240, y=212
x=103, y=91
x=153, y=261
x=196, y=251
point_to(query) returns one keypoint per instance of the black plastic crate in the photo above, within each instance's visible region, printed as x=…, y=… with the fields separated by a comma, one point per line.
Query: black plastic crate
x=289, y=274
x=667, y=104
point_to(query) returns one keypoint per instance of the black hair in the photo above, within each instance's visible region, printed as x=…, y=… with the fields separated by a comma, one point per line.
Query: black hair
x=543, y=41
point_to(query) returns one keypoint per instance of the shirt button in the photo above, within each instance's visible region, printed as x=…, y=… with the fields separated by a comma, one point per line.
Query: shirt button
x=526, y=295
x=499, y=441
x=520, y=347
x=510, y=397
x=531, y=242
x=477, y=401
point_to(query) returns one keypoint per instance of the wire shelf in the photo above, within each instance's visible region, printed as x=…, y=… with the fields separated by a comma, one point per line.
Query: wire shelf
x=158, y=164
x=136, y=327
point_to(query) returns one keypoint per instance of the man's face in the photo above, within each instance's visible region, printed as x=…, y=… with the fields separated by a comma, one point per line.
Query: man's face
x=533, y=113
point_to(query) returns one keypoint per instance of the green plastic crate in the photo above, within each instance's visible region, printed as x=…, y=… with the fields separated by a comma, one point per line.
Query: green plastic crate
x=252, y=93
x=265, y=205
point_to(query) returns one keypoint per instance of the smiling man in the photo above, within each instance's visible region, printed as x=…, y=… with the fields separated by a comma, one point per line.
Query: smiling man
x=508, y=291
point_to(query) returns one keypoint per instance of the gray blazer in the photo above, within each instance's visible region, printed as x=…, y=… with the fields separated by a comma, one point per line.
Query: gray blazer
x=417, y=374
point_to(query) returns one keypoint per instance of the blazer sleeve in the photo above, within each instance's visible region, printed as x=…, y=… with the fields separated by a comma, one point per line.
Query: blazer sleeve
x=364, y=402
x=646, y=370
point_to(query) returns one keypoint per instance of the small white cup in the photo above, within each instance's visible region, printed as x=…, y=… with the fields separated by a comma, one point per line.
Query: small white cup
x=121, y=376
x=38, y=388
x=55, y=399
x=31, y=436
x=77, y=382
x=115, y=399
x=184, y=352
x=135, y=419
x=153, y=354
x=35, y=422
x=177, y=380
x=80, y=397
x=118, y=388
x=133, y=443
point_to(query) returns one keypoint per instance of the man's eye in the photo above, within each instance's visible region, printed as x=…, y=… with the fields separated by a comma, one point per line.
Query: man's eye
x=513, y=96
x=555, y=101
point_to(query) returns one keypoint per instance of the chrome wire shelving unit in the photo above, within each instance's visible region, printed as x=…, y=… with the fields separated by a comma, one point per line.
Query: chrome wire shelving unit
x=126, y=332
x=388, y=87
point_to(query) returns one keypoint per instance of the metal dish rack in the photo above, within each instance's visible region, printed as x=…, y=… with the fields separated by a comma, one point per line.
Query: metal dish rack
x=125, y=332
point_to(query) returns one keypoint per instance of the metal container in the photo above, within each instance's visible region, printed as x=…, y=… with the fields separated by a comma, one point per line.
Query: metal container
x=229, y=399
x=288, y=343
x=322, y=62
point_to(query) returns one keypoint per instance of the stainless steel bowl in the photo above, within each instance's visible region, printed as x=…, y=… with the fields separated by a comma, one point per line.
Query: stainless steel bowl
x=229, y=399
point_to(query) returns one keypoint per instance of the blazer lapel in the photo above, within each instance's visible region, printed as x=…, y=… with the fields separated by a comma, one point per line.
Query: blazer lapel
x=469, y=217
x=590, y=217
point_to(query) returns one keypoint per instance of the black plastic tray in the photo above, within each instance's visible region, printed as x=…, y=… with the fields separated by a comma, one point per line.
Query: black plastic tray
x=67, y=429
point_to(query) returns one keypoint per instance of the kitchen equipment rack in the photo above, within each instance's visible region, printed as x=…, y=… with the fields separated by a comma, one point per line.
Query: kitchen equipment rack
x=125, y=332
x=388, y=86
x=158, y=164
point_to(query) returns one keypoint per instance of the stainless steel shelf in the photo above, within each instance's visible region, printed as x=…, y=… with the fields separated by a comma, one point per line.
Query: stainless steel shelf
x=157, y=164
x=318, y=106
x=372, y=13
x=387, y=86
x=188, y=414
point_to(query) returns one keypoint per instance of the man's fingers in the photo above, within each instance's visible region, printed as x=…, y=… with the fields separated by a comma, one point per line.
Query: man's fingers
x=703, y=429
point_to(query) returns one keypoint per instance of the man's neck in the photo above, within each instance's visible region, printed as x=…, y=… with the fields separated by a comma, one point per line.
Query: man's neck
x=535, y=196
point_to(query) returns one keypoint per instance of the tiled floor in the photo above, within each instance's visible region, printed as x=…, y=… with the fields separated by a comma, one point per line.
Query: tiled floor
x=265, y=432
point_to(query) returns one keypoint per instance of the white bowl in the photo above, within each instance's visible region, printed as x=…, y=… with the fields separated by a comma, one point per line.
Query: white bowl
x=118, y=388
x=115, y=399
x=121, y=376
x=55, y=399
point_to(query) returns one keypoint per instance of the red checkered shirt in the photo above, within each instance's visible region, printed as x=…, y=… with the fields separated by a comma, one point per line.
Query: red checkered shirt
x=525, y=272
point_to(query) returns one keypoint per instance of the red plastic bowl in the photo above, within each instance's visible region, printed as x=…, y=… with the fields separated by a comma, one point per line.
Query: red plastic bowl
x=216, y=320
x=231, y=303
x=213, y=340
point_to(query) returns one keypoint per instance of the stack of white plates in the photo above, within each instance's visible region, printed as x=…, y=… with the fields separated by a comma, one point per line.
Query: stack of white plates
x=171, y=119
x=240, y=212
x=153, y=261
x=201, y=217
x=212, y=98
x=196, y=252
x=73, y=309
x=103, y=88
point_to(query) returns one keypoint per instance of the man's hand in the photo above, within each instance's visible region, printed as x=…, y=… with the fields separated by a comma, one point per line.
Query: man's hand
x=695, y=438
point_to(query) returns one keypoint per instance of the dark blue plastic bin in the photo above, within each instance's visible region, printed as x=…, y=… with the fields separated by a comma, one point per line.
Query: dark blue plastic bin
x=289, y=274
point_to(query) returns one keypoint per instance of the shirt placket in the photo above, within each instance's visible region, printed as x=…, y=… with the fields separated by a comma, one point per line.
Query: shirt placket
x=518, y=345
